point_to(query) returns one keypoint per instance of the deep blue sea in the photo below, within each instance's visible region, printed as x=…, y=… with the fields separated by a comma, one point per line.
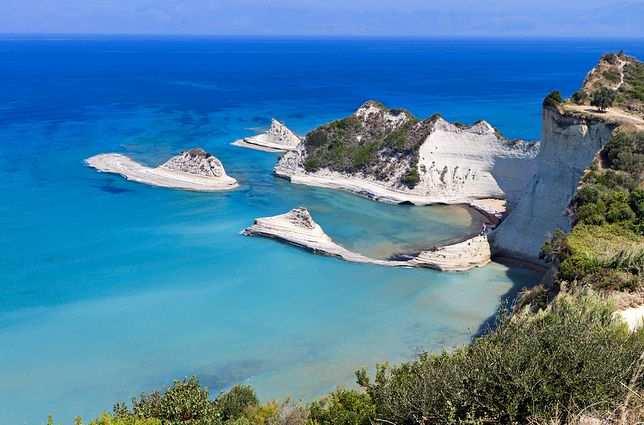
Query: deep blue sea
x=109, y=288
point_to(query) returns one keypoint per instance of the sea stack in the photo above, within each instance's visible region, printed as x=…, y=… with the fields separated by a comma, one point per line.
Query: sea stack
x=194, y=169
x=278, y=138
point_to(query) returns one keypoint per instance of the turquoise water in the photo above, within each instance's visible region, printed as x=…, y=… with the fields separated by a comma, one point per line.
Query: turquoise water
x=110, y=288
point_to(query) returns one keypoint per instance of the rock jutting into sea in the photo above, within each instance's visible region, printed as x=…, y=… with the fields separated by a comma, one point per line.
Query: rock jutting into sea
x=278, y=138
x=298, y=228
x=194, y=169
x=390, y=156
x=574, y=133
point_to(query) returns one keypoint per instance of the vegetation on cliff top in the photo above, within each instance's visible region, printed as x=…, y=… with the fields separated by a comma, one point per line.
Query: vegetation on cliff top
x=617, y=78
x=350, y=145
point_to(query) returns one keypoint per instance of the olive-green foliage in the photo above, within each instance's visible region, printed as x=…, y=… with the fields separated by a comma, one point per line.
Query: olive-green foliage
x=602, y=98
x=633, y=87
x=615, y=195
x=184, y=402
x=579, y=97
x=532, y=364
x=605, y=248
x=233, y=403
x=107, y=419
x=625, y=152
x=343, y=407
x=349, y=145
x=553, y=99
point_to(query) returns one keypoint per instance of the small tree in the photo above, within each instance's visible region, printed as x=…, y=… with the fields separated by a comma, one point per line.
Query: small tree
x=602, y=98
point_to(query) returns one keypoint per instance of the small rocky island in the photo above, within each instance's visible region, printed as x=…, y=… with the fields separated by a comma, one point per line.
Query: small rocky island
x=194, y=169
x=278, y=138
x=298, y=228
x=389, y=155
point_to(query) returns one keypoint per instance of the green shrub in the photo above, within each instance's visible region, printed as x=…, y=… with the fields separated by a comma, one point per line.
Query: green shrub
x=553, y=99
x=411, y=178
x=579, y=97
x=602, y=98
x=531, y=365
x=343, y=407
x=233, y=404
x=184, y=402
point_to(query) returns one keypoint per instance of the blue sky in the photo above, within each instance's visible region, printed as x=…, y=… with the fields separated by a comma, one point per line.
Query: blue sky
x=592, y=18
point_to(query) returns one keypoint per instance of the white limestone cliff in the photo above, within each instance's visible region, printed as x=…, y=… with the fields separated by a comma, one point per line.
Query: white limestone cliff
x=194, y=169
x=278, y=138
x=298, y=228
x=456, y=165
x=569, y=144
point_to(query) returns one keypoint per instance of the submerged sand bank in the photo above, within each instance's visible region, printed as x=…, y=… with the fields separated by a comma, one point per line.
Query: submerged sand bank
x=297, y=227
x=192, y=170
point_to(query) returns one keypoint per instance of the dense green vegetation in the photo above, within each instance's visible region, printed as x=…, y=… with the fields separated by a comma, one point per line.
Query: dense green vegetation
x=633, y=87
x=533, y=366
x=350, y=145
x=602, y=98
x=553, y=99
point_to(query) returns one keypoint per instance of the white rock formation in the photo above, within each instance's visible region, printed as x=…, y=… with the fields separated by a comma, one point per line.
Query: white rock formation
x=297, y=227
x=278, y=138
x=568, y=147
x=457, y=165
x=191, y=170
x=634, y=317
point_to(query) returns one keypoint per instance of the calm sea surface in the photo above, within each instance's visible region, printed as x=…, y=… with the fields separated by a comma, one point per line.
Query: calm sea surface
x=109, y=288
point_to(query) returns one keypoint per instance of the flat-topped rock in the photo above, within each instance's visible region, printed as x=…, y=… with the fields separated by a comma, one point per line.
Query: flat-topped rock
x=298, y=228
x=195, y=170
x=278, y=138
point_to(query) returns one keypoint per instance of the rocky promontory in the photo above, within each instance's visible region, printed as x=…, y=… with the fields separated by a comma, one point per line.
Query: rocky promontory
x=298, y=228
x=388, y=155
x=278, y=138
x=194, y=169
x=574, y=133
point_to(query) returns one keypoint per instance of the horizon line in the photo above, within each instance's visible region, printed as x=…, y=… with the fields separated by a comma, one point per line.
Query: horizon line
x=325, y=36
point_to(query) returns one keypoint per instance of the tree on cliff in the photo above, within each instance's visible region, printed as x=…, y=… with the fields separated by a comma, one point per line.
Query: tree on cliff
x=602, y=98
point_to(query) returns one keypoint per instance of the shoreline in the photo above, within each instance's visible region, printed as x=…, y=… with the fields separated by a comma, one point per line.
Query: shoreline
x=493, y=209
x=298, y=228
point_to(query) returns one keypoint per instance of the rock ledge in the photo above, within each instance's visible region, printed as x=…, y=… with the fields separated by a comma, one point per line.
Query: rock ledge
x=298, y=228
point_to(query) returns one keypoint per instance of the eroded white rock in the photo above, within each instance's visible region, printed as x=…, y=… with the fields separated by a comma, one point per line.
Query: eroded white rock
x=297, y=227
x=191, y=170
x=278, y=138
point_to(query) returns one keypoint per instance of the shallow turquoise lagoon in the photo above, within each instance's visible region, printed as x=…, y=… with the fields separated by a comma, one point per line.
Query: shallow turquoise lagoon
x=109, y=288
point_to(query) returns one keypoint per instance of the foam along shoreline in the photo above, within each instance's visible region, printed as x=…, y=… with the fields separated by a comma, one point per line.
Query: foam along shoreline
x=278, y=138
x=194, y=170
x=298, y=228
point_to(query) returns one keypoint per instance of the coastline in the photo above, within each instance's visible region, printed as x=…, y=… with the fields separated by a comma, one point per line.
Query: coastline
x=298, y=228
x=492, y=208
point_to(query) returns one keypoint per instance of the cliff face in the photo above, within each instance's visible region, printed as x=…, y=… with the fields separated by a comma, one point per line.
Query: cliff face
x=388, y=155
x=569, y=144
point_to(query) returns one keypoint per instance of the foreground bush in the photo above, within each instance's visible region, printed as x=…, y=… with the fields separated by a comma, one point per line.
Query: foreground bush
x=545, y=367
x=570, y=356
